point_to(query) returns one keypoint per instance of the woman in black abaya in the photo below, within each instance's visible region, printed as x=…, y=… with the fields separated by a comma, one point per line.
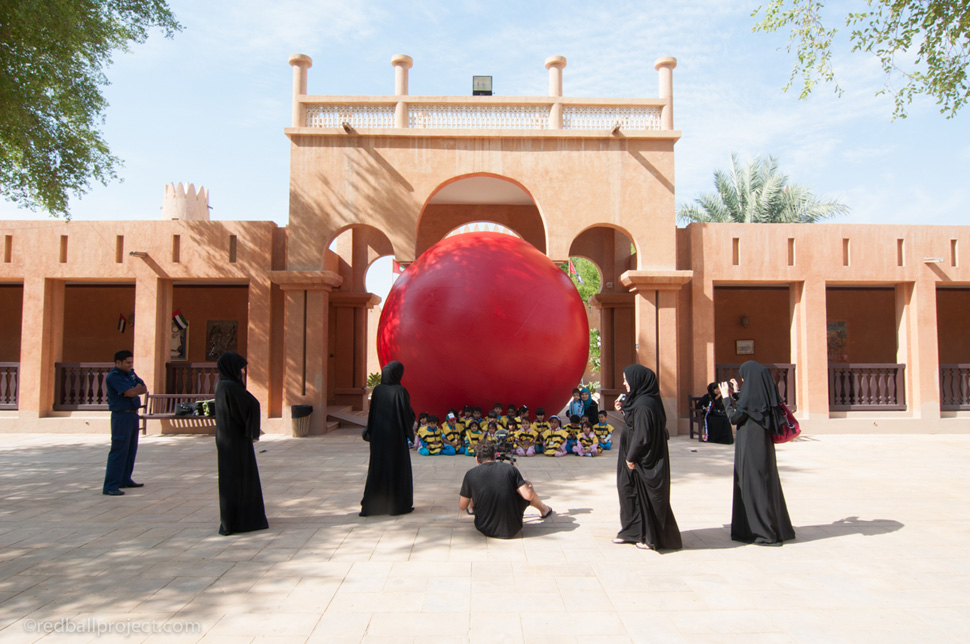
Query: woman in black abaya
x=237, y=426
x=760, y=515
x=717, y=427
x=390, y=424
x=643, y=466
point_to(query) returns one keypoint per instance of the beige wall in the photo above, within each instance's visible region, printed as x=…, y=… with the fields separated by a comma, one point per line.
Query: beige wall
x=577, y=181
x=71, y=301
x=814, y=261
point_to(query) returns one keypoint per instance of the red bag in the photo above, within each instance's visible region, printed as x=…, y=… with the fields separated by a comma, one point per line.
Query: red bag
x=789, y=429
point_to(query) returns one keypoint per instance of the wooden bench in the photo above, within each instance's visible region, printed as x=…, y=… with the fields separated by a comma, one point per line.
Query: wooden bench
x=696, y=416
x=163, y=407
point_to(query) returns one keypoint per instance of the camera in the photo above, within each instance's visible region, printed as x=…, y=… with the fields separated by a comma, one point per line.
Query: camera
x=504, y=448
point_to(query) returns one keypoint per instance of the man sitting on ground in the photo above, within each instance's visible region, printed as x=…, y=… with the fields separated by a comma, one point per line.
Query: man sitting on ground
x=498, y=495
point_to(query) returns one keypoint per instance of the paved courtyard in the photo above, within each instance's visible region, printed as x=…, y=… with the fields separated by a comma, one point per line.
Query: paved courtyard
x=882, y=554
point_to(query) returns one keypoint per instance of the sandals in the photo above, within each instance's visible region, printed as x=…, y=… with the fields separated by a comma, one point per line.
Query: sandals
x=640, y=545
x=547, y=514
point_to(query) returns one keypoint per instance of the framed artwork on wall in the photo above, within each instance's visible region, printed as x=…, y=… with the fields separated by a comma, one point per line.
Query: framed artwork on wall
x=220, y=337
x=179, y=347
x=744, y=347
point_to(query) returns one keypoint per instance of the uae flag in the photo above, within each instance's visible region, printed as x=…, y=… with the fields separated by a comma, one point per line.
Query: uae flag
x=179, y=319
x=573, y=271
x=122, y=323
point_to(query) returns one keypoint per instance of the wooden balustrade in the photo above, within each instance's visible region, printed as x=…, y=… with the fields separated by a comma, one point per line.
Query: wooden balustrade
x=867, y=387
x=782, y=373
x=9, y=384
x=954, y=387
x=81, y=385
x=192, y=378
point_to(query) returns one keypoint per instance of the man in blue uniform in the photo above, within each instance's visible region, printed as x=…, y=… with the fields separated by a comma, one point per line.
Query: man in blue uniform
x=124, y=388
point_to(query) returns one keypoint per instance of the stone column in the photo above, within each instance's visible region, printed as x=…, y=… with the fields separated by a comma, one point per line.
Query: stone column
x=665, y=67
x=555, y=65
x=153, y=327
x=809, y=346
x=305, y=341
x=402, y=64
x=617, y=325
x=300, y=63
x=918, y=346
x=41, y=345
x=259, y=326
x=657, y=333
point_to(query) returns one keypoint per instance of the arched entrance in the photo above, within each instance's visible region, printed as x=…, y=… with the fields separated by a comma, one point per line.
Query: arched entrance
x=479, y=198
x=614, y=253
x=350, y=254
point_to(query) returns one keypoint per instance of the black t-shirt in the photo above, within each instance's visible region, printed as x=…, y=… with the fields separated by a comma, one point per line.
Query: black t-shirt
x=498, y=506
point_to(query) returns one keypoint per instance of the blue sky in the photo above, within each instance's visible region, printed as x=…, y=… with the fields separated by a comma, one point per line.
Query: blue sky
x=210, y=105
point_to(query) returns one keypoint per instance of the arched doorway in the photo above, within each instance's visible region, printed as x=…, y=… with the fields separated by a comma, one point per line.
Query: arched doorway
x=612, y=309
x=350, y=254
x=479, y=198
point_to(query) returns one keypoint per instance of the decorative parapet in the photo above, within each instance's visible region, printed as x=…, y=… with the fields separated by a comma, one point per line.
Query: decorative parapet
x=552, y=114
x=481, y=113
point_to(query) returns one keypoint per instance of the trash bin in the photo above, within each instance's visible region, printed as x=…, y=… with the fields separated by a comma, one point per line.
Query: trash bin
x=301, y=419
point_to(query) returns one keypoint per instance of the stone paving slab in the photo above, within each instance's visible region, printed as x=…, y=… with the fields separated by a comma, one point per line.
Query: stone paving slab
x=882, y=553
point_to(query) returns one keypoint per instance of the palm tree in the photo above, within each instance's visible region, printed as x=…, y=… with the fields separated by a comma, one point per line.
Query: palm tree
x=759, y=193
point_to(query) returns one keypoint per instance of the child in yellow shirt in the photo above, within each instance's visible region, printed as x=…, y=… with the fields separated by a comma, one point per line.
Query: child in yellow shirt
x=554, y=439
x=525, y=439
x=473, y=435
x=603, y=431
x=586, y=442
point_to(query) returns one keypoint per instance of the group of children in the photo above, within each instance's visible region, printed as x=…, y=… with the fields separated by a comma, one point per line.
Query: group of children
x=464, y=429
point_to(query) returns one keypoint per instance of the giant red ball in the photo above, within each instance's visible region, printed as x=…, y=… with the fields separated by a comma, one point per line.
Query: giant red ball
x=482, y=318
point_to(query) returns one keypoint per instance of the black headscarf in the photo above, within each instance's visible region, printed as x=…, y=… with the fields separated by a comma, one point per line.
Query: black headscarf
x=712, y=390
x=230, y=366
x=392, y=373
x=644, y=389
x=759, y=397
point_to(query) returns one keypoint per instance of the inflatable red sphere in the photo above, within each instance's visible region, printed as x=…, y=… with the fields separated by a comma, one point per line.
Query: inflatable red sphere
x=485, y=318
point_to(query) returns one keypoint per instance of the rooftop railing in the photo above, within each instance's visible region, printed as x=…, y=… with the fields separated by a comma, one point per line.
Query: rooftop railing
x=552, y=113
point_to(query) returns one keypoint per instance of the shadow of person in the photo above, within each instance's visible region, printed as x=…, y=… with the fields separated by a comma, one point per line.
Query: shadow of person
x=720, y=538
x=844, y=527
x=534, y=526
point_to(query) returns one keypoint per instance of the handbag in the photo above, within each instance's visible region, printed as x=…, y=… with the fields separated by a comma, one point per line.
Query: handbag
x=185, y=409
x=788, y=429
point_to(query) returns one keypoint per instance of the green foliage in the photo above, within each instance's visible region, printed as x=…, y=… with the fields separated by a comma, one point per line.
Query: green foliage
x=594, y=351
x=374, y=379
x=922, y=44
x=589, y=275
x=53, y=54
x=758, y=192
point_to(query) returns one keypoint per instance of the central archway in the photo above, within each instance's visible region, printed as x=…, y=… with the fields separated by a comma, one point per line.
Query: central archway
x=479, y=198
